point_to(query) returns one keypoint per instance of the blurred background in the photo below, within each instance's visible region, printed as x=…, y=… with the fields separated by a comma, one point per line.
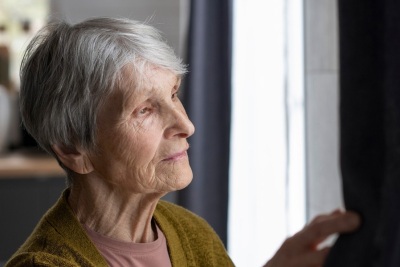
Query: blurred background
x=262, y=90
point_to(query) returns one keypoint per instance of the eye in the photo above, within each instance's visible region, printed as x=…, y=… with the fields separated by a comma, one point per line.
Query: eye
x=174, y=95
x=144, y=111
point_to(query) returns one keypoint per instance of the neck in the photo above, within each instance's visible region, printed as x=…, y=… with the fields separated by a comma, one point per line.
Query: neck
x=112, y=212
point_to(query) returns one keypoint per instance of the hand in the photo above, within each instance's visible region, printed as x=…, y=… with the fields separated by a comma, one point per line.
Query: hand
x=301, y=250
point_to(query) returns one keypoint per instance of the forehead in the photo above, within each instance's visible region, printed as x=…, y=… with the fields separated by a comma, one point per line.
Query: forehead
x=133, y=89
x=153, y=80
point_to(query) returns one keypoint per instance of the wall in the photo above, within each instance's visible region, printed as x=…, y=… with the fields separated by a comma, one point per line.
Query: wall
x=165, y=14
x=322, y=118
x=23, y=201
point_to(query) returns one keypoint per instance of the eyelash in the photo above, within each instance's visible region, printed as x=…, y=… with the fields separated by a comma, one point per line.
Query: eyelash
x=176, y=94
x=143, y=111
x=146, y=110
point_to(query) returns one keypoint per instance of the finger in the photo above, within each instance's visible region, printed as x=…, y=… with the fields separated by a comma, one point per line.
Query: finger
x=313, y=258
x=321, y=228
x=308, y=259
x=325, y=217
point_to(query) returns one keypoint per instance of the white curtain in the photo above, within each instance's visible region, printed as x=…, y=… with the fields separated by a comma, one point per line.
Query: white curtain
x=267, y=184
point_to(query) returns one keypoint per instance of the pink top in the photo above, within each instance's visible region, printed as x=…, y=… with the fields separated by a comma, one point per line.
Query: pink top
x=119, y=253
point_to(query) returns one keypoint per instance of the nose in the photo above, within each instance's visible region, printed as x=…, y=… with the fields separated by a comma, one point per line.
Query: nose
x=180, y=124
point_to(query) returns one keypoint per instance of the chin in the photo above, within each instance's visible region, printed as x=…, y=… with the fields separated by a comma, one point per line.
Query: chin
x=185, y=178
x=184, y=185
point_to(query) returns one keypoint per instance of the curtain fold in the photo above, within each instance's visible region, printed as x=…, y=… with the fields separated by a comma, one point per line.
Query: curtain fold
x=207, y=98
x=370, y=131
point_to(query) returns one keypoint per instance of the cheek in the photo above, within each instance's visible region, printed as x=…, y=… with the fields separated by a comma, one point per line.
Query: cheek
x=136, y=151
x=139, y=146
x=130, y=153
x=130, y=163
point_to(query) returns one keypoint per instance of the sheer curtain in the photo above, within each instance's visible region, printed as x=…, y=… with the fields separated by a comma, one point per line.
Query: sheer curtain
x=267, y=165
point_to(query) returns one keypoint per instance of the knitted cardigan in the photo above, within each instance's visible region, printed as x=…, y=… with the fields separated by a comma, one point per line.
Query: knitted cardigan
x=60, y=240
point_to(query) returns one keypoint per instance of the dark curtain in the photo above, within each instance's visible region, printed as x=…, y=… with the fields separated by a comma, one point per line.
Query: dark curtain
x=370, y=131
x=207, y=98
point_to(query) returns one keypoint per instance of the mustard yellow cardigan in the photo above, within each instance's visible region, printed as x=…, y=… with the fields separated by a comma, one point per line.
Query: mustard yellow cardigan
x=59, y=240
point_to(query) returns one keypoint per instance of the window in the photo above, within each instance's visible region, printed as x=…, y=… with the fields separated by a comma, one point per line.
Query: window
x=267, y=186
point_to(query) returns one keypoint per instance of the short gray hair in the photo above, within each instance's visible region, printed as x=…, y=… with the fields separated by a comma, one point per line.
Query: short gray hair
x=68, y=72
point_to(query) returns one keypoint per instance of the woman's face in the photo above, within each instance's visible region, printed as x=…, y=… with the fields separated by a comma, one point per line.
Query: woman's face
x=142, y=136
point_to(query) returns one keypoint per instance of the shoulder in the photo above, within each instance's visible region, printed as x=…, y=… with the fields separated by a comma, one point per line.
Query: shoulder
x=177, y=214
x=42, y=259
x=191, y=240
x=58, y=240
x=166, y=207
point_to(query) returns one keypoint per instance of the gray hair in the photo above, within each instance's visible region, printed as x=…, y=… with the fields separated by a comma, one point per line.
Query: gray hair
x=68, y=72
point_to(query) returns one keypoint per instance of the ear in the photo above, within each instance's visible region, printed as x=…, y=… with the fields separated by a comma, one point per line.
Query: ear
x=74, y=159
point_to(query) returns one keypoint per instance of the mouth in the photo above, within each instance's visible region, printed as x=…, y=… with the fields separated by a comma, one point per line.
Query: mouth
x=177, y=156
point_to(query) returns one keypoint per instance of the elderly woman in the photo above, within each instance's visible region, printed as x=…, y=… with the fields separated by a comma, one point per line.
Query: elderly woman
x=101, y=96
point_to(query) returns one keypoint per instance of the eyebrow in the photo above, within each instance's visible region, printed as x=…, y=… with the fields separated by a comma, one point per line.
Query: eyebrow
x=130, y=98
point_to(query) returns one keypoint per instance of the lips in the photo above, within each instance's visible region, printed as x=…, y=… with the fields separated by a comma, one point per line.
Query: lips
x=176, y=156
